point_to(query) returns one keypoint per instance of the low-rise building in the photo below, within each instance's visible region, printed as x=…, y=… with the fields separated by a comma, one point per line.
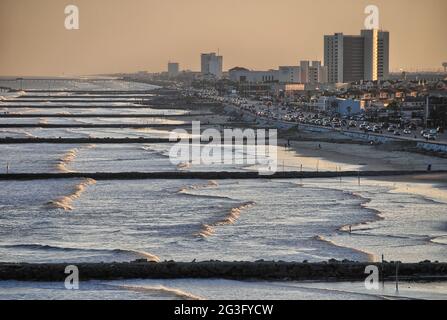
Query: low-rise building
x=239, y=74
x=289, y=74
x=344, y=107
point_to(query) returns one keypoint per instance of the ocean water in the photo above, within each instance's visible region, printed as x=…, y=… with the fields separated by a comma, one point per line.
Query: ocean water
x=83, y=133
x=73, y=84
x=184, y=220
x=81, y=121
x=82, y=220
x=42, y=110
x=189, y=289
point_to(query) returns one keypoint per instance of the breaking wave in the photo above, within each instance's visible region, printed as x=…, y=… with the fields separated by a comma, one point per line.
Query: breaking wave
x=141, y=254
x=232, y=216
x=66, y=202
x=370, y=257
x=163, y=290
x=364, y=206
x=129, y=254
x=441, y=240
x=157, y=150
x=68, y=157
x=210, y=184
x=184, y=165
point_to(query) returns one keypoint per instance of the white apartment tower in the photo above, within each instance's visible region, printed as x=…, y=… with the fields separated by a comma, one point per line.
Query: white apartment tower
x=353, y=58
x=211, y=65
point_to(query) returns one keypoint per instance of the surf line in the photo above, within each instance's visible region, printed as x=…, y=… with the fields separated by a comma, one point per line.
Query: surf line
x=231, y=218
x=66, y=202
x=209, y=229
x=161, y=290
x=69, y=156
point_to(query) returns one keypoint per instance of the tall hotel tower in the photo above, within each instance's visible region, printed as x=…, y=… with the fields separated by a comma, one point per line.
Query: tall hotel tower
x=354, y=58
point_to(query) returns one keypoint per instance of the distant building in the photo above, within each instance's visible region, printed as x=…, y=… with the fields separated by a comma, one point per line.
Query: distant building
x=346, y=107
x=239, y=74
x=289, y=74
x=352, y=58
x=436, y=110
x=173, y=69
x=341, y=106
x=325, y=103
x=211, y=65
x=306, y=73
x=316, y=73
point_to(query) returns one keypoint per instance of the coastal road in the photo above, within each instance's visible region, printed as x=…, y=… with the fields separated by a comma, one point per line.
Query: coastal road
x=441, y=139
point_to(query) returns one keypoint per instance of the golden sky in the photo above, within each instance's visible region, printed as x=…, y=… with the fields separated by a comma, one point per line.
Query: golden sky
x=133, y=35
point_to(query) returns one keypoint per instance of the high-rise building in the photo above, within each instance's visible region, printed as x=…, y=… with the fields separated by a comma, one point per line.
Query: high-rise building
x=316, y=73
x=383, y=63
x=211, y=65
x=333, y=57
x=304, y=69
x=173, y=69
x=353, y=58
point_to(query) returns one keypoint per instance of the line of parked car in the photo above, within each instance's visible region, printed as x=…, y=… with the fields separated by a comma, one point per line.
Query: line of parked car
x=358, y=121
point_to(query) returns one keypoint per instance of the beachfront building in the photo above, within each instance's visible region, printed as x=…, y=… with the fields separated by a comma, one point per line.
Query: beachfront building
x=344, y=107
x=289, y=74
x=173, y=69
x=211, y=66
x=351, y=58
x=306, y=73
x=239, y=74
x=436, y=110
x=316, y=73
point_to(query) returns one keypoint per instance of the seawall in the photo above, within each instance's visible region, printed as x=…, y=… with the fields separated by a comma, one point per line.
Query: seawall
x=101, y=115
x=260, y=270
x=244, y=175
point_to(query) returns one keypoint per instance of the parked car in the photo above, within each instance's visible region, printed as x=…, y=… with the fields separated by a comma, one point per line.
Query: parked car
x=352, y=124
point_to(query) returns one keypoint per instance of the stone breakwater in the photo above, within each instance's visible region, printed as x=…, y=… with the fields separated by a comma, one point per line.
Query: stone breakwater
x=223, y=175
x=86, y=140
x=103, y=115
x=259, y=270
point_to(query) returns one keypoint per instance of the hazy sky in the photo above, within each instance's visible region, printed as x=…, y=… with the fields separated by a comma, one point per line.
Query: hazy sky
x=132, y=35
